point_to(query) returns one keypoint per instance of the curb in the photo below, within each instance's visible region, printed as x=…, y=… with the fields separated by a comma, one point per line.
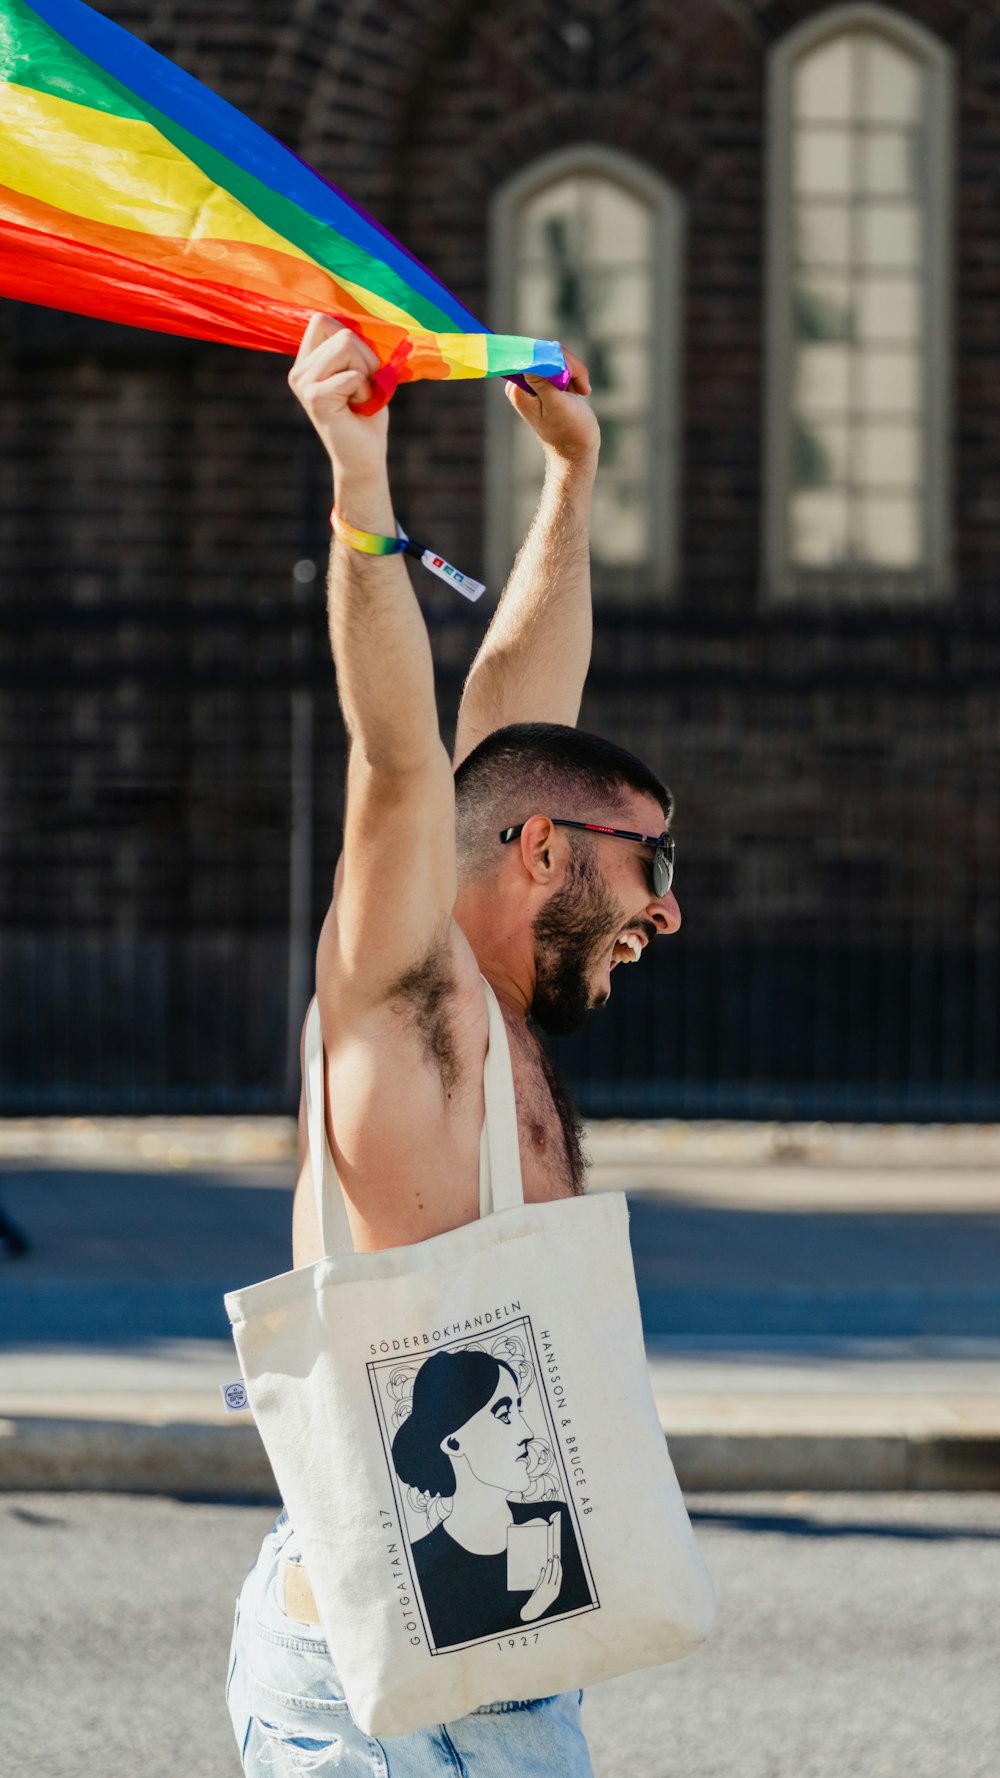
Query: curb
x=225, y=1462
x=164, y=1142
x=841, y=1463
x=126, y=1457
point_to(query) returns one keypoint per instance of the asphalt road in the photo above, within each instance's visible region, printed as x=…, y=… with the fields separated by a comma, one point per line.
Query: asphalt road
x=858, y=1637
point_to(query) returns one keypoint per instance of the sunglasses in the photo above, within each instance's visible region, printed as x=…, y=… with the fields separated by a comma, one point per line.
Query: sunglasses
x=664, y=849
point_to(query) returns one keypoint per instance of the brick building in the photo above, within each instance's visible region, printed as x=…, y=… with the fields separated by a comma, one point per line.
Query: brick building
x=772, y=228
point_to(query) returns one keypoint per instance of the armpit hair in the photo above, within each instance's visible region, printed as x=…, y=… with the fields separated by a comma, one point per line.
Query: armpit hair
x=425, y=992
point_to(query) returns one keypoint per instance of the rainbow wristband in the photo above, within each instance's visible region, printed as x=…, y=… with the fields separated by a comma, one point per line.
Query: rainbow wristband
x=368, y=542
x=371, y=544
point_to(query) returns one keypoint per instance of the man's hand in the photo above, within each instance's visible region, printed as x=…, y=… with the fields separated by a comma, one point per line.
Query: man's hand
x=561, y=419
x=333, y=369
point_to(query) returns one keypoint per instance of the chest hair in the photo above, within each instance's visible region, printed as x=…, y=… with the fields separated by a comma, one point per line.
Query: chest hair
x=548, y=1125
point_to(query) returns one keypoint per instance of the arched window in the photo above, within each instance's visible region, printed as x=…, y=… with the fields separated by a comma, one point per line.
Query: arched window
x=586, y=249
x=859, y=322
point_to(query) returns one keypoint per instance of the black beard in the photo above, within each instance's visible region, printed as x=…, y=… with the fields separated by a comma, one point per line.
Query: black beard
x=571, y=927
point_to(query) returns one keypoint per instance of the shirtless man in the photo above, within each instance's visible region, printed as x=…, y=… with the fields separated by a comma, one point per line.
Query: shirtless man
x=428, y=898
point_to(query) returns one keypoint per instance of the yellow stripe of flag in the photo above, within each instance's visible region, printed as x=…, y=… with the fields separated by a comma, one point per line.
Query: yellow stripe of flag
x=122, y=172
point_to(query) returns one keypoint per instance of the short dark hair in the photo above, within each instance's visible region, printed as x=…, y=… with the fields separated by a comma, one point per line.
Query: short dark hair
x=529, y=767
x=448, y=1389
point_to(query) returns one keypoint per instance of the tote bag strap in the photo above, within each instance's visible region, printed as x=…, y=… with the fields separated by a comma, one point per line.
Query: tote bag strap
x=334, y=1228
x=499, y=1153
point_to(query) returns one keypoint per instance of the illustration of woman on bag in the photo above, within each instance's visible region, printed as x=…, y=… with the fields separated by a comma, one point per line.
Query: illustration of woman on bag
x=494, y=1562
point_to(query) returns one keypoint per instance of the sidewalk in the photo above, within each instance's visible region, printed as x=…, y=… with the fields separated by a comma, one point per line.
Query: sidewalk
x=822, y=1307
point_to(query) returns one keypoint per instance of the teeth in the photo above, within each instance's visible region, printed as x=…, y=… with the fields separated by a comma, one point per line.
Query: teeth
x=627, y=941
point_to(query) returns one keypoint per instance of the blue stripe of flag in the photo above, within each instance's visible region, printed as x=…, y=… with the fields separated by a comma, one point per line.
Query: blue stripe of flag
x=196, y=108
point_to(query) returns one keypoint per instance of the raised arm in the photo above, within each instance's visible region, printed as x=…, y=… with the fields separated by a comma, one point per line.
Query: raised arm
x=400, y=799
x=533, y=661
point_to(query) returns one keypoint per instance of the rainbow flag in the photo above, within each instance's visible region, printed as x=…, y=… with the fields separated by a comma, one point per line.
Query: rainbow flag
x=130, y=192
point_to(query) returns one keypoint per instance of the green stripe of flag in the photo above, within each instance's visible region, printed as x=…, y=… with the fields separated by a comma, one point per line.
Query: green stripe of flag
x=35, y=56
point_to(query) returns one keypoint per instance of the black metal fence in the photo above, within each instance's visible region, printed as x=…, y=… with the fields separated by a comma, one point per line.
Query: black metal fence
x=171, y=794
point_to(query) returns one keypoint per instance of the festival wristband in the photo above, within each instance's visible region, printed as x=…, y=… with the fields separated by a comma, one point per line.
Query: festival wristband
x=369, y=543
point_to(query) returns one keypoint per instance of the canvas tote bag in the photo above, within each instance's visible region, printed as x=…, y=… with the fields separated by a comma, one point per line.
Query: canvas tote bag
x=491, y=1380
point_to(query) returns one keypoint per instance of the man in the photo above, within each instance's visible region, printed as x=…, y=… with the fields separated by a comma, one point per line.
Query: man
x=541, y=863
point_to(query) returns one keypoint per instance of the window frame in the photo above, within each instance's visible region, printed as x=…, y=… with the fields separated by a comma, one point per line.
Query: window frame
x=658, y=576
x=783, y=581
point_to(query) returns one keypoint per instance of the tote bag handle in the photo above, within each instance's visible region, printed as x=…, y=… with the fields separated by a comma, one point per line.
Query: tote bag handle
x=500, y=1183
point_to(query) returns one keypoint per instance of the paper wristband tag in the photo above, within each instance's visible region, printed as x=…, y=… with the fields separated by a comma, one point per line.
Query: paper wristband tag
x=234, y=1396
x=469, y=588
x=463, y=583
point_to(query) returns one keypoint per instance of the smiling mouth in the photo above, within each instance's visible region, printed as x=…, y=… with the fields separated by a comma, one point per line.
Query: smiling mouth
x=628, y=948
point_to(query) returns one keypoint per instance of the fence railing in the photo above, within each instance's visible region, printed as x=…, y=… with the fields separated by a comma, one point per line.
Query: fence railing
x=170, y=799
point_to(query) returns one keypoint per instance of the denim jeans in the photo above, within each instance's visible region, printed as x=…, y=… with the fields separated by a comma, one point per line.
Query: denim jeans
x=290, y=1717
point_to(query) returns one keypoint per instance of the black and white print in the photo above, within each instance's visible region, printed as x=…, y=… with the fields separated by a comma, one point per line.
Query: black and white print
x=494, y=1544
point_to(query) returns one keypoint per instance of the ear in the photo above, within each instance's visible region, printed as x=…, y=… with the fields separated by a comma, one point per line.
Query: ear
x=543, y=850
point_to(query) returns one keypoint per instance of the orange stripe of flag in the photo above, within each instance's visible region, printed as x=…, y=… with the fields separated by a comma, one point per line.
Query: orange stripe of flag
x=264, y=271
x=68, y=262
